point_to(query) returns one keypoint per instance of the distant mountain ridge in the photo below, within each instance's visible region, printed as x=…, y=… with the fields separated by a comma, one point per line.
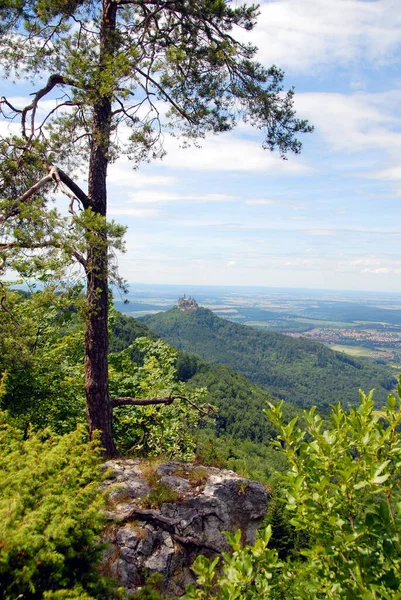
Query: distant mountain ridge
x=301, y=371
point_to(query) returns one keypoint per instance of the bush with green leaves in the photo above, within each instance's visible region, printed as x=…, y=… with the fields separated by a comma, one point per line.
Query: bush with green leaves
x=154, y=430
x=344, y=490
x=343, y=493
x=41, y=359
x=50, y=518
x=249, y=572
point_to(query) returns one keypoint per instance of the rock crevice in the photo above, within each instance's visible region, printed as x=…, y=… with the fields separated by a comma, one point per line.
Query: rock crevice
x=149, y=534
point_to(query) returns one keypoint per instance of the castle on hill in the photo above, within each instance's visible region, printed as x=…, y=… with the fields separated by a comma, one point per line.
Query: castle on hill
x=186, y=304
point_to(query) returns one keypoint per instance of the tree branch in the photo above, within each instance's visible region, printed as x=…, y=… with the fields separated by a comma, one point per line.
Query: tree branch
x=205, y=411
x=37, y=186
x=142, y=401
x=76, y=190
x=32, y=246
x=182, y=112
x=78, y=256
x=57, y=175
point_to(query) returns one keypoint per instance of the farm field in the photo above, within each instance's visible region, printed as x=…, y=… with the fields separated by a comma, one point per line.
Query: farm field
x=361, y=324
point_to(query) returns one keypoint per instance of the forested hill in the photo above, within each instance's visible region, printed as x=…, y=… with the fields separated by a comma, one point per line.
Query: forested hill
x=240, y=403
x=299, y=370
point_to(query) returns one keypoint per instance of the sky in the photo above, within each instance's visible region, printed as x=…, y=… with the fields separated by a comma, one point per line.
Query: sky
x=231, y=213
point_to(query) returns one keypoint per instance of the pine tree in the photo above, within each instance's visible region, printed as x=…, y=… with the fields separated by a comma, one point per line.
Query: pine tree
x=97, y=67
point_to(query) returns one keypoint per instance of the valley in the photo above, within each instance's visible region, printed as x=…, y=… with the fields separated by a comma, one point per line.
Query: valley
x=299, y=370
x=362, y=324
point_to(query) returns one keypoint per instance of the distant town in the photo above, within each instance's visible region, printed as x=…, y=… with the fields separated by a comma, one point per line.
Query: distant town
x=360, y=324
x=337, y=336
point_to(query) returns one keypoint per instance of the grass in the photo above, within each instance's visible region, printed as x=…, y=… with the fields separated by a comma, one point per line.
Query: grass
x=360, y=351
x=160, y=493
x=197, y=476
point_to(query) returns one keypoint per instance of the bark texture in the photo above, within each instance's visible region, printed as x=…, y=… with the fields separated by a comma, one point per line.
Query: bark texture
x=98, y=404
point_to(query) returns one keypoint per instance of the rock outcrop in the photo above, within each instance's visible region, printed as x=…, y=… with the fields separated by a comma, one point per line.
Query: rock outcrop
x=163, y=516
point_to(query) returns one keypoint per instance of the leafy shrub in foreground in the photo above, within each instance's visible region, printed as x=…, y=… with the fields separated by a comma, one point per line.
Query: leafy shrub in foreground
x=343, y=492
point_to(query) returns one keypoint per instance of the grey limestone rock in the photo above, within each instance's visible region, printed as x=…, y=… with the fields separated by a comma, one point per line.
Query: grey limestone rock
x=145, y=536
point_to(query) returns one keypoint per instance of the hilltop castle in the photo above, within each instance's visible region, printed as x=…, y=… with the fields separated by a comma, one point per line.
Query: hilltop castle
x=186, y=304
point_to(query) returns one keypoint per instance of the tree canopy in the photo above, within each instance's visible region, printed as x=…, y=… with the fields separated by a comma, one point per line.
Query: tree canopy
x=109, y=78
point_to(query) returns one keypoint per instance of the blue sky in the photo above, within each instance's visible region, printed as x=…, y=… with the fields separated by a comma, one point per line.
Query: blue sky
x=233, y=214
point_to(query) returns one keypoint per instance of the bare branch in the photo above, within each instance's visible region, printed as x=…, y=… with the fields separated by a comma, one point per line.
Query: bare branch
x=62, y=180
x=153, y=401
x=165, y=94
x=78, y=256
x=51, y=83
x=142, y=401
x=10, y=106
x=37, y=186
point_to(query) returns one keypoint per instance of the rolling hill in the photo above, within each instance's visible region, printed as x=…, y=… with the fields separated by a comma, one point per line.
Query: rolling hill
x=301, y=371
x=239, y=402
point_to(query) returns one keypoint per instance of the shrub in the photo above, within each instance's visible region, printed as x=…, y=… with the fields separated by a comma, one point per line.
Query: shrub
x=49, y=515
x=343, y=493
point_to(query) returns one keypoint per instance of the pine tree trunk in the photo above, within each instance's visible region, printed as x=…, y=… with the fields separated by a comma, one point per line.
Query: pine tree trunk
x=98, y=405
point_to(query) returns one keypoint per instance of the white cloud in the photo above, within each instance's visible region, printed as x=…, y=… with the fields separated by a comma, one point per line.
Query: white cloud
x=354, y=122
x=140, y=213
x=260, y=201
x=319, y=232
x=231, y=152
x=303, y=34
x=375, y=265
x=392, y=173
x=161, y=197
x=122, y=174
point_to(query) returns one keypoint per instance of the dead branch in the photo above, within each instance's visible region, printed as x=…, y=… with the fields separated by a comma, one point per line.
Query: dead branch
x=204, y=411
x=142, y=401
x=51, y=83
x=37, y=186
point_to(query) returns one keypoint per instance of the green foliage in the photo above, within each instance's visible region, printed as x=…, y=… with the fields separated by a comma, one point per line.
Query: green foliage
x=240, y=403
x=248, y=573
x=160, y=494
x=344, y=490
x=301, y=371
x=251, y=459
x=343, y=495
x=124, y=331
x=41, y=370
x=238, y=437
x=50, y=517
x=166, y=429
x=151, y=589
x=41, y=356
